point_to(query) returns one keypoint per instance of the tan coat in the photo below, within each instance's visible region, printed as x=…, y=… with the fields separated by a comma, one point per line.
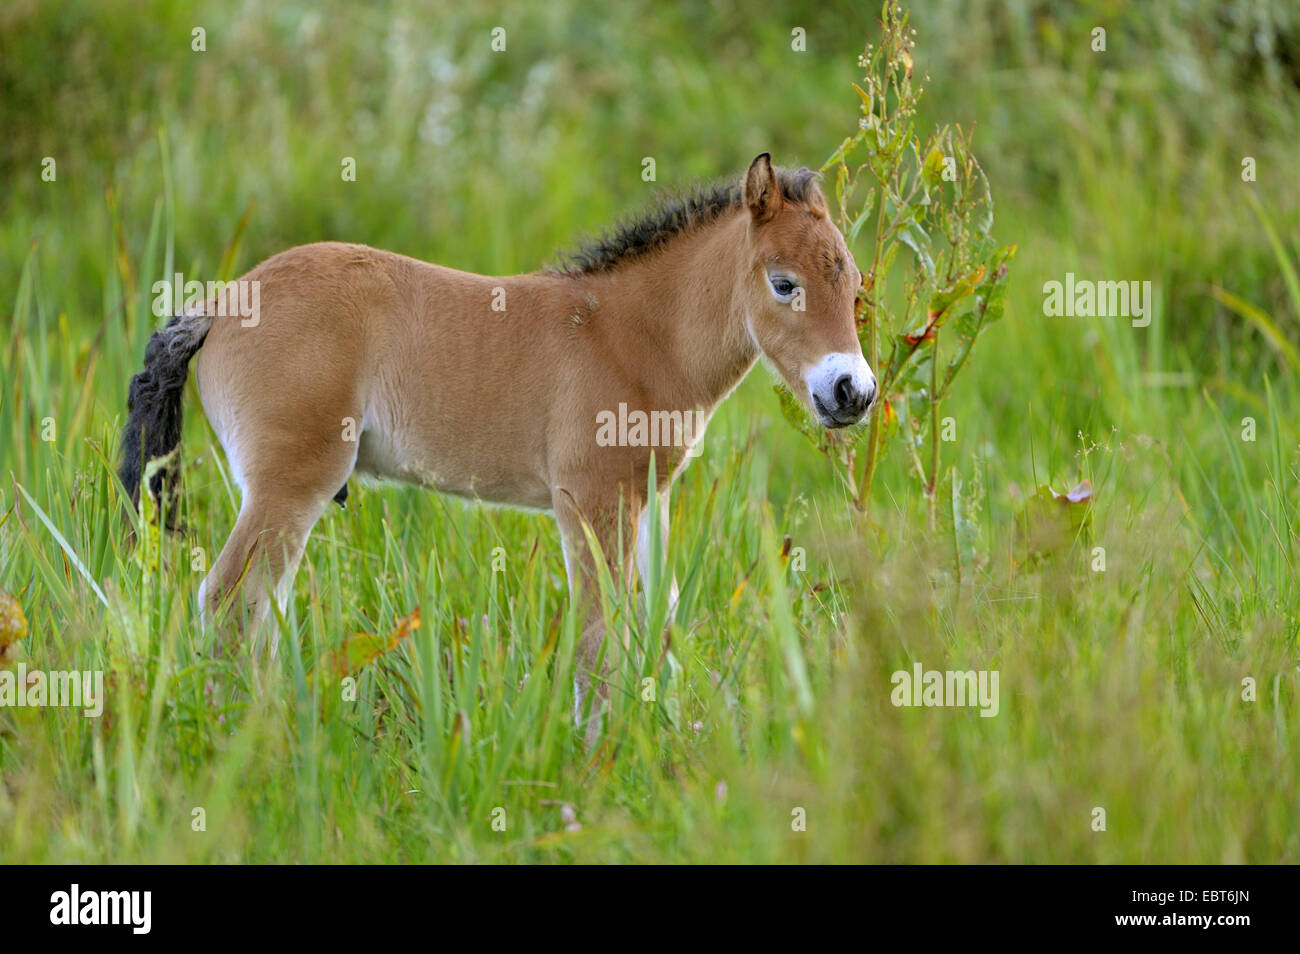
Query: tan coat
x=366, y=361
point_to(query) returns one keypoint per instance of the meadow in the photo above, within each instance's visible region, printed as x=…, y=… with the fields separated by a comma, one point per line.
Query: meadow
x=1145, y=639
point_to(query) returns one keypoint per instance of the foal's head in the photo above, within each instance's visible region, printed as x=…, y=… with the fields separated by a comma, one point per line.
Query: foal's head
x=800, y=286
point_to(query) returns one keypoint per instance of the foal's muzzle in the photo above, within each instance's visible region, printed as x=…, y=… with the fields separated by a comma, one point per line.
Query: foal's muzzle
x=842, y=389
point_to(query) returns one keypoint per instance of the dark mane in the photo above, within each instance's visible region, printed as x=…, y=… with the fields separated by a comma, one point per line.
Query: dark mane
x=671, y=215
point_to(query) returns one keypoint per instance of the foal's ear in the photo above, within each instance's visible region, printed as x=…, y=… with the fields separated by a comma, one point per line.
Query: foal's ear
x=761, y=192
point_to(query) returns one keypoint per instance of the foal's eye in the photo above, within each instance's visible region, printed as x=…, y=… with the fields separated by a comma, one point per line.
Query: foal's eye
x=782, y=287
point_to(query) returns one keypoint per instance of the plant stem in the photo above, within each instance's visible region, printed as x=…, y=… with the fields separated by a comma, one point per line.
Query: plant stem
x=873, y=349
x=930, y=490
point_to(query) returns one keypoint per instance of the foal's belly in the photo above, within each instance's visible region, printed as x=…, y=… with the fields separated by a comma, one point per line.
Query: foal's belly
x=419, y=461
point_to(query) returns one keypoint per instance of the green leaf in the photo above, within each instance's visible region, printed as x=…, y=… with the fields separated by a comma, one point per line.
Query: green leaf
x=918, y=240
x=66, y=547
x=993, y=290
x=361, y=649
x=852, y=235
x=944, y=298
x=932, y=168
x=794, y=412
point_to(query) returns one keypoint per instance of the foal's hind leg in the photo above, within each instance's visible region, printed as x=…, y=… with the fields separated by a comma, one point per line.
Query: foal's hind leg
x=259, y=560
x=258, y=563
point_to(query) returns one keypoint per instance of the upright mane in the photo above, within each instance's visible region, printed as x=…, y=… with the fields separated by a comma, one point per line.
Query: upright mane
x=670, y=215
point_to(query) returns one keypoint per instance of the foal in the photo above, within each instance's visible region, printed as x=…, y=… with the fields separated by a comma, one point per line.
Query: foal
x=502, y=389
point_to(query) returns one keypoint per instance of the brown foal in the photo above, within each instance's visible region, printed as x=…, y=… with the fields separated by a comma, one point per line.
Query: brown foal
x=503, y=389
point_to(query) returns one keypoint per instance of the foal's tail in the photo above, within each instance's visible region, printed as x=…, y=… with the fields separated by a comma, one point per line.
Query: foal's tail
x=153, y=423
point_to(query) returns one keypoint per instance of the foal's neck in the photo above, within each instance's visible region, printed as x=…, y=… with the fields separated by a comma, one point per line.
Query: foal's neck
x=678, y=311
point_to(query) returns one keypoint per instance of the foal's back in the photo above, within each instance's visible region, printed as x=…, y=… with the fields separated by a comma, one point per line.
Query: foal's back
x=400, y=368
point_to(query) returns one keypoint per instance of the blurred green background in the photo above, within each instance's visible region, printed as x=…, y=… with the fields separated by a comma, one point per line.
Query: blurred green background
x=1122, y=164
x=1117, y=165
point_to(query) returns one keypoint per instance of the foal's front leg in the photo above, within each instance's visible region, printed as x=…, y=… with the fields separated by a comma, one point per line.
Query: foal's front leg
x=611, y=525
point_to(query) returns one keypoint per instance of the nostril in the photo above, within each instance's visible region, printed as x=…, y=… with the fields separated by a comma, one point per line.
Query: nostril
x=843, y=391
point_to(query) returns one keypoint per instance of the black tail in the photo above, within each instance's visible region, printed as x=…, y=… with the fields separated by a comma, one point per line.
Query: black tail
x=153, y=424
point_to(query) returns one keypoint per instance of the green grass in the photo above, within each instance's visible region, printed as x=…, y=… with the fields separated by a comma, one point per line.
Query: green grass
x=1120, y=689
